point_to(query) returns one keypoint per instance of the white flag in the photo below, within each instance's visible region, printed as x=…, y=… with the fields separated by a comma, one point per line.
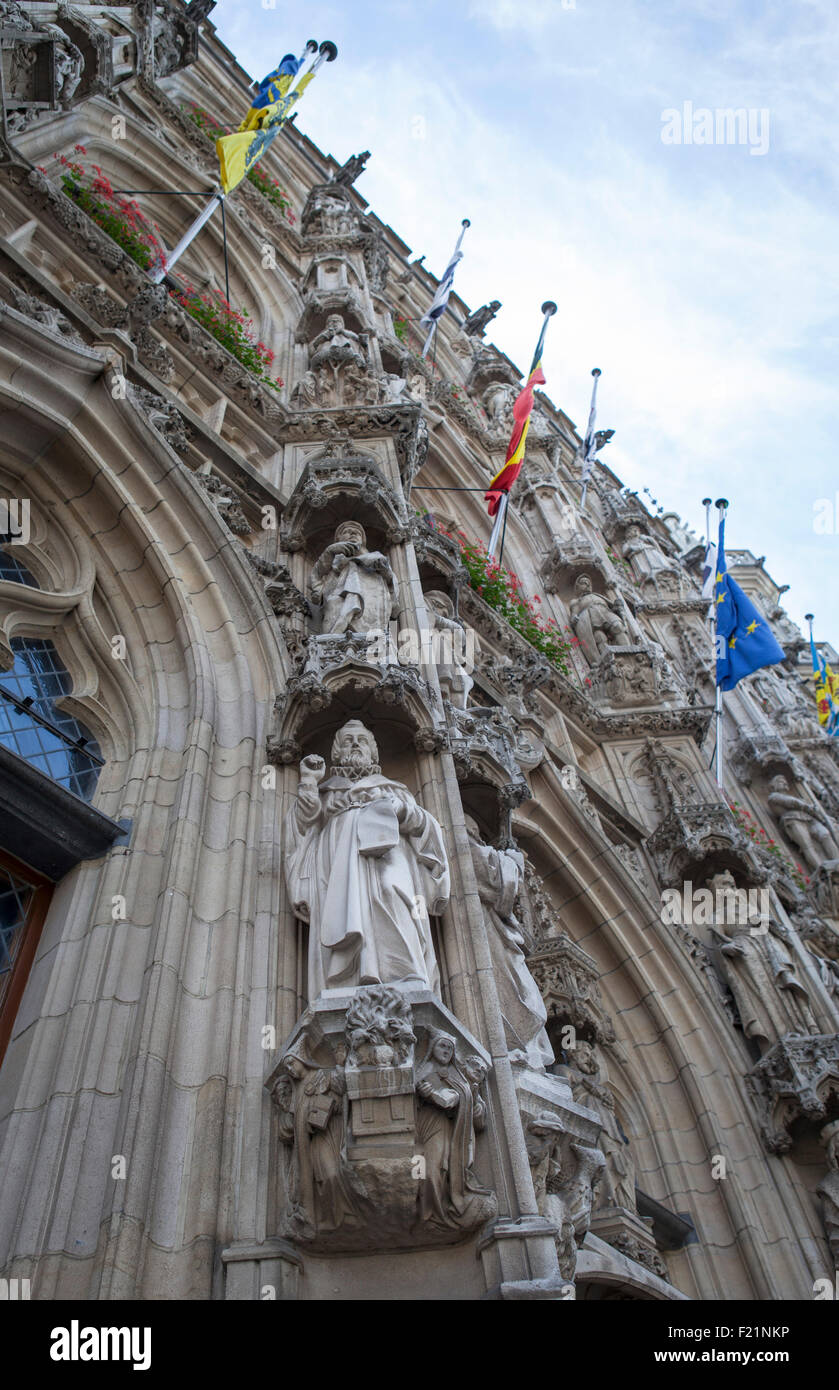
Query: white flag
x=438, y=304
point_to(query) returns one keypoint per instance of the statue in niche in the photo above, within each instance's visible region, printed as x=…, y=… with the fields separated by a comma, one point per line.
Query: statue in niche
x=450, y=1111
x=828, y=1189
x=356, y=586
x=336, y=346
x=586, y=1079
x=323, y=1194
x=805, y=825
x=449, y=649
x=644, y=555
x=760, y=971
x=595, y=621
x=500, y=874
x=365, y=866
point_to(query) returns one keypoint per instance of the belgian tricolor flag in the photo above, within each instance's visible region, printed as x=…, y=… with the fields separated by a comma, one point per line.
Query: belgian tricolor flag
x=503, y=480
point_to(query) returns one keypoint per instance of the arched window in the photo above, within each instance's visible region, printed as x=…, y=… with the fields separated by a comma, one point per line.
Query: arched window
x=32, y=725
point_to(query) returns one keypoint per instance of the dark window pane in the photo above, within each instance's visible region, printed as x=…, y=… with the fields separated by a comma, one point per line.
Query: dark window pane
x=42, y=734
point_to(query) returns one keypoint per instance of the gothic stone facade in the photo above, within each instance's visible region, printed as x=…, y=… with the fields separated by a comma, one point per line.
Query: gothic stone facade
x=340, y=966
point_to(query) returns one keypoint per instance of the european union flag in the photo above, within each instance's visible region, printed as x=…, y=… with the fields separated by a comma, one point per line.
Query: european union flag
x=744, y=639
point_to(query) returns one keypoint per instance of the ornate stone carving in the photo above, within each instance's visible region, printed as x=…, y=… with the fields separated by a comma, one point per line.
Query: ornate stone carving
x=355, y=587
x=760, y=970
x=225, y=502
x=163, y=416
x=476, y=323
x=798, y=1077
x=806, y=826
x=380, y=1098
x=828, y=1189
x=587, y=1081
x=595, y=622
x=340, y=480
x=451, y=650
x=42, y=68
x=48, y=315
x=499, y=875
x=566, y=1175
x=365, y=866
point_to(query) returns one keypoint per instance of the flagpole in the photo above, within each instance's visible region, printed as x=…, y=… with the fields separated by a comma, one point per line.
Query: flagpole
x=499, y=525
x=328, y=53
x=722, y=505
x=464, y=224
x=596, y=373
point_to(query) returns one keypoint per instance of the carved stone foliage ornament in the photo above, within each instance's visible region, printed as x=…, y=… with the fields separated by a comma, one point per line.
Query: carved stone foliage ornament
x=365, y=865
x=380, y=1099
x=797, y=1078
x=42, y=67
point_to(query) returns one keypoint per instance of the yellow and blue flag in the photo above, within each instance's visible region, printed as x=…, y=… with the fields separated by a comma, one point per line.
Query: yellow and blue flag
x=745, y=641
x=827, y=692
x=278, y=92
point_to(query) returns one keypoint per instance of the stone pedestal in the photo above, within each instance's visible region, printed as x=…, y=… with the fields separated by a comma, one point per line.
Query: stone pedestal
x=379, y=1091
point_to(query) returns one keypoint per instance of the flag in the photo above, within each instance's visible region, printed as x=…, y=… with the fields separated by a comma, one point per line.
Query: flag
x=438, y=304
x=238, y=153
x=745, y=641
x=589, y=450
x=522, y=408
x=827, y=692
x=709, y=571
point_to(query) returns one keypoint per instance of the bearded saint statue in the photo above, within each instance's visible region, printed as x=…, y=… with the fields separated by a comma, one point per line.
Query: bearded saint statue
x=365, y=867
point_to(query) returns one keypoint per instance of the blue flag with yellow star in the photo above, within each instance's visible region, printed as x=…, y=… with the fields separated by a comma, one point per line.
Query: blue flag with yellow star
x=745, y=641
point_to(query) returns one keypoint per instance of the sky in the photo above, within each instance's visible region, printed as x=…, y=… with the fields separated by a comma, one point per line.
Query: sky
x=698, y=272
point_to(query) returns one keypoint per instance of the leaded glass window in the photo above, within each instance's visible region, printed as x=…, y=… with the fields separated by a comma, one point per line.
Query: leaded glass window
x=15, y=898
x=33, y=726
x=11, y=568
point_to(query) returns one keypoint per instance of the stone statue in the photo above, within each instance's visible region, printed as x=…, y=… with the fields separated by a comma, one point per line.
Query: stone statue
x=349, y=172
x=449, y=650
x=565, y=1190
x=500, y=874
x=323, y=1195
x=450, y=1111
x=643, y=554
x=805, y=825
x=475, y=325
x=595, y=621
x=336, y=346
x=356, y=586
x=760, y=971
x=828, y=1189
x=587, y=1084
x=365, y=866
x=498, y=402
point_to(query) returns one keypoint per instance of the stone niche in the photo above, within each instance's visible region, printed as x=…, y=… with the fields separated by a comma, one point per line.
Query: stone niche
x=380, y=1098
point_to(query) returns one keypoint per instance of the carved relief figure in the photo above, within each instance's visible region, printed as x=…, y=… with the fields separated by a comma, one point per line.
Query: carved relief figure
x=336, y=346
x=500, y=874
x=760, y=971
x=455, y=680
x=806, y=826
x=475, y=325
x=595, y=621
x=828, y=1189
x=450, y=1111
x=586, y=1081
x=356, y=586
x=365, y=866
x=322, y=1192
